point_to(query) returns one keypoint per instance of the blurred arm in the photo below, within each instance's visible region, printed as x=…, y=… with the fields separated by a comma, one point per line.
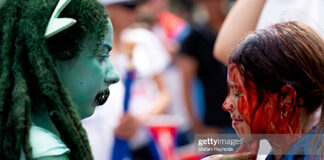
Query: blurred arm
x=130, y=123
x=188, y=67
x=163, y=98
x=242, y=19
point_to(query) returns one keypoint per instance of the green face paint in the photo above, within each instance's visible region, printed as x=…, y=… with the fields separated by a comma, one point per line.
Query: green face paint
x=87, y=76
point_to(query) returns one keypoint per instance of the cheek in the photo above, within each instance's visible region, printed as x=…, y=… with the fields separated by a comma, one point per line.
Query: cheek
x=247, y=105
x=84, y=91
x=94, y=75
x=89, y=87
x=263, y=115
x=89, y=82
x=244, y=132
x=257, y=115
x=266, y=114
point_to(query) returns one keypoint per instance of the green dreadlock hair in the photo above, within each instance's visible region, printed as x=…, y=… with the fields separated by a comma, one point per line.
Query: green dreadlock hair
x=28, y=67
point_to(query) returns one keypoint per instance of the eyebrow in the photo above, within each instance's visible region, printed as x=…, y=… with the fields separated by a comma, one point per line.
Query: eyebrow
x=108, y=47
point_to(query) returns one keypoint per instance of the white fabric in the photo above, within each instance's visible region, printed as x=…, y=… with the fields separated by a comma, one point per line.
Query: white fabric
x=149, y=59
x=100, y=126
x=264, y=149
x=173, y=81
x=309, y=12
x=44, y=143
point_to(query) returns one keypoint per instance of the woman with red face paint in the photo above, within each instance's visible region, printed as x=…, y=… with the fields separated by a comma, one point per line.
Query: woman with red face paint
x=276, y=90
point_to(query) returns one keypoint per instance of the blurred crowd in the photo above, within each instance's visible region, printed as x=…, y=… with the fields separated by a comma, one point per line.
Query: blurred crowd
x=167, y=48
x=171, y=85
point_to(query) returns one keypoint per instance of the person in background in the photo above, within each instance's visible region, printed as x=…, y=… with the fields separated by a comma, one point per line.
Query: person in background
x=261, y=13
x=196, y=60
x=142, y=52
x=170, y=28
x=54, y=72
x=276, y=87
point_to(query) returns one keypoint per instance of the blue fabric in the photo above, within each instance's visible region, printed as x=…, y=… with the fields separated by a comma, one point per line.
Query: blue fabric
x=153, y=150
x=184, y=34
x=306, y=148
x=128, y=83
x=121, y=148
x=197, y=96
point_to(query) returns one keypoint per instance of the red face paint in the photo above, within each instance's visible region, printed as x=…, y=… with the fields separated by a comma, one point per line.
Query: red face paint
x=249, y=116
x=237, y=104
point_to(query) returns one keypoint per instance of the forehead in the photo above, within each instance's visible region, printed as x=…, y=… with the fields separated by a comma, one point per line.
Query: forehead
x=234, y=75
x=236, y=79
x=109, y=36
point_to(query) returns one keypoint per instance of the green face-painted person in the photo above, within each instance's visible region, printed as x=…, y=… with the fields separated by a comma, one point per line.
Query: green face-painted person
x=49, y=82
x=87, y=76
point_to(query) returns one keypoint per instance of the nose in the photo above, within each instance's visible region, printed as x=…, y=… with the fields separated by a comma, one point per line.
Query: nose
x=112, y=77
x=228, y=105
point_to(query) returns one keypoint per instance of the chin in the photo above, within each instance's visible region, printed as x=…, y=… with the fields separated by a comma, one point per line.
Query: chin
x=88, y=113
x=246, y=138
x=244, y=132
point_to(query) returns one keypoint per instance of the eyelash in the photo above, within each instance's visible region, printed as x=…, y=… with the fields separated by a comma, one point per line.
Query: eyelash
x=237, y=94
x=234, y=91
x=103, y=57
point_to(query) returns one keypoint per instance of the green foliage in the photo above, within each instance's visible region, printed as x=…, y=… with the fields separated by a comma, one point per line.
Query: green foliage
x=28, y=66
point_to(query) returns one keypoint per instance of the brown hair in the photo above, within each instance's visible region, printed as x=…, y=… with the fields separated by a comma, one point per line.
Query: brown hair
x=284, y=53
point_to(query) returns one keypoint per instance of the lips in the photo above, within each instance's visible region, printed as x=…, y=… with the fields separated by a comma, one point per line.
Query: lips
x=101, y=97
x=236, y=120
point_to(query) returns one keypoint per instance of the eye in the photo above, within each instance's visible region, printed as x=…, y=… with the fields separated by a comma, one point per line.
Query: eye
x=237, y=94
x=104, y=57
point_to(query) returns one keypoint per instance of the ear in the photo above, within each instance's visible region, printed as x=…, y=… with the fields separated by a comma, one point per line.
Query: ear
x=287, y=99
